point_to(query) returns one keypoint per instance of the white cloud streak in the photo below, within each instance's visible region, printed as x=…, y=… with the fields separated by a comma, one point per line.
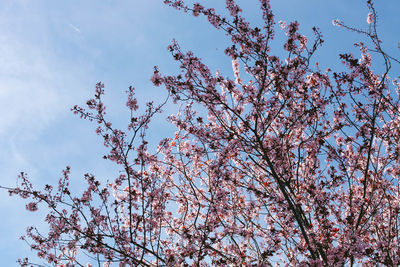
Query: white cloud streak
x=75, y=28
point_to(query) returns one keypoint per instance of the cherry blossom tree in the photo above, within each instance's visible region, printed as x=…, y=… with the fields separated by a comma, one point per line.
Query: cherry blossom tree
x=282, y=164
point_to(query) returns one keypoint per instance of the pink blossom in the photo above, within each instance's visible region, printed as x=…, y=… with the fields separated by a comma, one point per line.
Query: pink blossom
x=197, y=9
x=336, y=22
x=370, y=18
x=32, y=206
x=156, y=78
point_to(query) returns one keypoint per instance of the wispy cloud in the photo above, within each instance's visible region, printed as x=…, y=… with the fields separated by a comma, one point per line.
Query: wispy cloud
x=26, y=90
x=75, y=28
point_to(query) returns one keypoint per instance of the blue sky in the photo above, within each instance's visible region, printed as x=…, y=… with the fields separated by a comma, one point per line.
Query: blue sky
x=53, y=52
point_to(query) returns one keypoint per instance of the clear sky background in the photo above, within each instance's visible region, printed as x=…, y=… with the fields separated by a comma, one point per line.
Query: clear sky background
x=52, y=53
